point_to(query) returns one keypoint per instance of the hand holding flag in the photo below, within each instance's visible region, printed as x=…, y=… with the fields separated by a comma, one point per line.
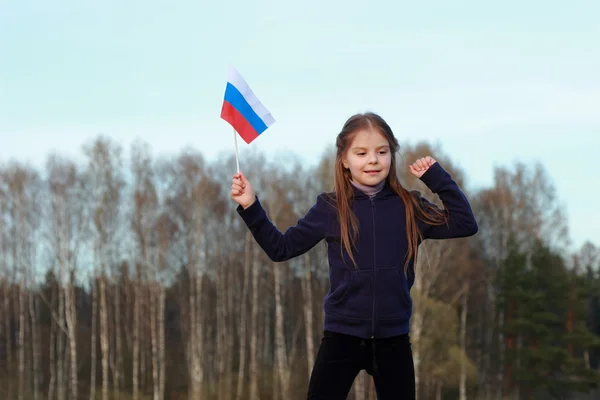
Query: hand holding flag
x=242, y=191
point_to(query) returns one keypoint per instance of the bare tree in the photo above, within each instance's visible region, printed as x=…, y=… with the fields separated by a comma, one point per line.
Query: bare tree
x=165, y=231
x=106, y=184
x=463, y=343
x=280, y=205
x=185, y=185
x=6, y=244
x=23, y=183
x=67, y=218
x=144, y=217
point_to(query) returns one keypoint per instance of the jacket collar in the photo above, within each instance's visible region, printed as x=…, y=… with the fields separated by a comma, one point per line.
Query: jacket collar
x=385, y=191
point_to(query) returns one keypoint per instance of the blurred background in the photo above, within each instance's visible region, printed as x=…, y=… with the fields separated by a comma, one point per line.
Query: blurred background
x=125, y=272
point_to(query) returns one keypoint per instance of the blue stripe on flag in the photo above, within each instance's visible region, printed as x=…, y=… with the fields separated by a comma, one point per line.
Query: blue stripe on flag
x=235, y=98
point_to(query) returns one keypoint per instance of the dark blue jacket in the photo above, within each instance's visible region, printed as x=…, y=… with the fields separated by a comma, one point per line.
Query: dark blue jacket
x=373, y=300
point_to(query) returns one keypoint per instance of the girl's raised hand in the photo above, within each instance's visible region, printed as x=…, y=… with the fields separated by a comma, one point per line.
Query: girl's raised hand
x=241, y=191
x=420, y=166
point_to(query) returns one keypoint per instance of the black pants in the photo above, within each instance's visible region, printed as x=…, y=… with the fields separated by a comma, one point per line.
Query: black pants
x=341, y=357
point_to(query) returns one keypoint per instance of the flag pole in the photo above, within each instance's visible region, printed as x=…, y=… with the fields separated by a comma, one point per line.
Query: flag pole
x=237, y=159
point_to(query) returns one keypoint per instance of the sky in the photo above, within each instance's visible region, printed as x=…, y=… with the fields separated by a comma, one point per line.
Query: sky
x=491, y=83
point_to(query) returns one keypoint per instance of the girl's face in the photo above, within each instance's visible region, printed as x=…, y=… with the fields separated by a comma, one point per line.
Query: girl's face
x=368, y=157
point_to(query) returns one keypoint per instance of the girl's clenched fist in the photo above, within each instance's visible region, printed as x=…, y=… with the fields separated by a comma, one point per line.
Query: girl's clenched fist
x=241, y=191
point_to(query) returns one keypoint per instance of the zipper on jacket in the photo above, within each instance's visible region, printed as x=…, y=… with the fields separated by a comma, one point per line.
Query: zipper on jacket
x=374, y=267
x=375, y=367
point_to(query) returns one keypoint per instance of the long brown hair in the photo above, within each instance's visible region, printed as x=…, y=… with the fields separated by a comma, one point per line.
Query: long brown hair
x=344, y=192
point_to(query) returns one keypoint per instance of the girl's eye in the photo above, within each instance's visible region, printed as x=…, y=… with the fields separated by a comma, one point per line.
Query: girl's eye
x=383, y=152
x=361, y=154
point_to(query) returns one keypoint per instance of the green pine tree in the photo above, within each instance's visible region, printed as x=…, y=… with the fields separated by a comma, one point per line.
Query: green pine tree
x=546, y=333
x=578, y=338
x=510, y=281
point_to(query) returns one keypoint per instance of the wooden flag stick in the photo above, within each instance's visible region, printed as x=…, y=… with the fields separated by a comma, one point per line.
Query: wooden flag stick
x=237, y=159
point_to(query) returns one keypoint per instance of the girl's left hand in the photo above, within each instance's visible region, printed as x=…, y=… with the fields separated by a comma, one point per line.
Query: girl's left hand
x=420, y=166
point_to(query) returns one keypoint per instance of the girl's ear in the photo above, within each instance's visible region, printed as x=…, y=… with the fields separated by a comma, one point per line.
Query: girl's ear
x=345, y=163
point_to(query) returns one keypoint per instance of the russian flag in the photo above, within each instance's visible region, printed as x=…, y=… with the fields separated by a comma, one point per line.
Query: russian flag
x=242, y=109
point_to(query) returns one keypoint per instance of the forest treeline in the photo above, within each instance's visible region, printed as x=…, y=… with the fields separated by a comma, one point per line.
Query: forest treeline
x=134, y=278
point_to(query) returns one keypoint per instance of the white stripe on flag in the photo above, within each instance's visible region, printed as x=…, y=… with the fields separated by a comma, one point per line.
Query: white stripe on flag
x=238, y=81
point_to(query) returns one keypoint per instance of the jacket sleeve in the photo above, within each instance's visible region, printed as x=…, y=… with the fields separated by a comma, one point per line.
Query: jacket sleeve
x=296, y=240
x=461, y=221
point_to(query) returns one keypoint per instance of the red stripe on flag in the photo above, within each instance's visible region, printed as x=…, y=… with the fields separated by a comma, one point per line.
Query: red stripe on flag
x=239, y=123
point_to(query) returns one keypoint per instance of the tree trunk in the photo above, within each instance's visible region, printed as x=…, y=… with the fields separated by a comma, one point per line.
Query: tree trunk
x=195, y=340
x=308, y=314
x=136, y=337
x=221, y=330
x=199, y=334
x=112, y=333
x=268, y=350
x=417, y=320
x=72, y=330
x=192, y=358
x=489, y=340
x=93, y=360
x=480, y=355
x=276, y=380
x=104, y=336
x=280, y=347
x=21, y=342
x=517, y=388
x=118, y=367
x=161, y=341
x=2, y=317
x=501, y=350
x=61, y=391
x=424, y=267
x=144, y=342
x=52, y=351
x=36, y=345
x=244, y=315
x=232, y=288
x=28, y=356
x=463, y=345
x=586, y=359
x=8, y=335
x=224, y=334
x=154, y=340
x=254, y=330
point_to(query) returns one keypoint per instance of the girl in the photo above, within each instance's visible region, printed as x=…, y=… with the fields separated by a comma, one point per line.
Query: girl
x=373, y=227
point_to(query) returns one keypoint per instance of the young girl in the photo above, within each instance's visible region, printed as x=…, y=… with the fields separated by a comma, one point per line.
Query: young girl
x=373, y=227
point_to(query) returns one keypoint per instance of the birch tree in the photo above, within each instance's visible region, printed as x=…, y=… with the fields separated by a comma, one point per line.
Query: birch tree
x=144, y=217
x=66, y=234
x=23, y=184
x=106, y=185
x=185, y=180
x=5, y=282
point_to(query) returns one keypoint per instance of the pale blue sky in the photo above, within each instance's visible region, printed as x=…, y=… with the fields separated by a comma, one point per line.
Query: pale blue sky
x=490, y=83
